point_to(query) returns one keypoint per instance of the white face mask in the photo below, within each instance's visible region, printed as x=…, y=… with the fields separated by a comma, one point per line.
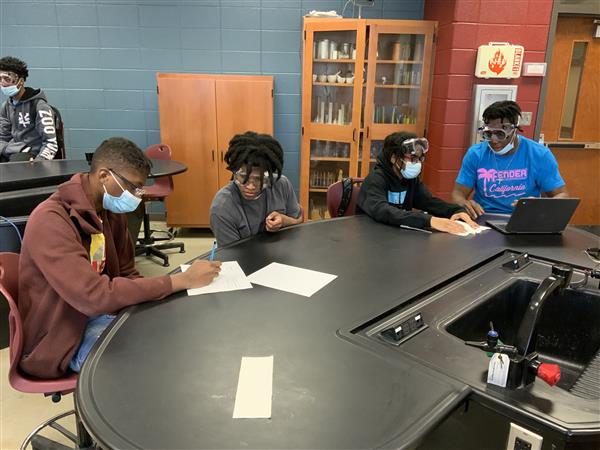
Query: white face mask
x=411, y=169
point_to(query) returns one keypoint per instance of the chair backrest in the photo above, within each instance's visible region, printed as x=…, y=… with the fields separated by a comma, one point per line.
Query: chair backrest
x=159, y=151
x=335, y=196
x=164, y=185
x=9, y=289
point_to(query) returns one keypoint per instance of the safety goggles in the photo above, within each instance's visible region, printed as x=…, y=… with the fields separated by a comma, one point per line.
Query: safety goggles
x=243, y=179
x=131, y=187
x=8, y=78
x=414, y=149
x=498, y=134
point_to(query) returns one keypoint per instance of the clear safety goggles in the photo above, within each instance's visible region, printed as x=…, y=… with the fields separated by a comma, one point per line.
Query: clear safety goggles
x=243, y=179
x=131, y=187
x=498, y=134
x=415, y=149
x=8, y=78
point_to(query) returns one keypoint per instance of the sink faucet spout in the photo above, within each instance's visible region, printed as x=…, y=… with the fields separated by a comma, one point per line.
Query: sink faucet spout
x=560, y=279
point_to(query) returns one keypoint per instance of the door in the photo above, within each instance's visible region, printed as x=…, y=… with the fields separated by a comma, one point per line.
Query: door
x=572, y=113
x=186, y=107
x=242, y=105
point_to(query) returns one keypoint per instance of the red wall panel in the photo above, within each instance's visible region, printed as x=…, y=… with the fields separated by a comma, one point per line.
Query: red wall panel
x=464, y=25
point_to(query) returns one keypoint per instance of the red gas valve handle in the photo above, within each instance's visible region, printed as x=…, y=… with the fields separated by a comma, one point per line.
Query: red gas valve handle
x=550, y=373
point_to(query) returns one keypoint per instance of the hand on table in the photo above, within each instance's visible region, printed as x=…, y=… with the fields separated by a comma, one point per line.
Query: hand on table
x=200, y=273
x=465, y=218
x=274, y=221
x=473, y=208
x=447, y=225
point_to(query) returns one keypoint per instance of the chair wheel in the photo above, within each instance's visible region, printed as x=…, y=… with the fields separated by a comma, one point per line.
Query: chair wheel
x=182, y=251
x=166, y=264
x=56, y=397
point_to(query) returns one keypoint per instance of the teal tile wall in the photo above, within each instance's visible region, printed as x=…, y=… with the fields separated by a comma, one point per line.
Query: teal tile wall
x=97, y=59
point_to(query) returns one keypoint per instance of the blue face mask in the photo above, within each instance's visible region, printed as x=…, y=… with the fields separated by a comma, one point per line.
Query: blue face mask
x=411, y=169
x=10, y=90
x=126, y=202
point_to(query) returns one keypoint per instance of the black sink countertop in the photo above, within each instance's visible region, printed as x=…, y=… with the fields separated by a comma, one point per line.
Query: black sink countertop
x=165, y=375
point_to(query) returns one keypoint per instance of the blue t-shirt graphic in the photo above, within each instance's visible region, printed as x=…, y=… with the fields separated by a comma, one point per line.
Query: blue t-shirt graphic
x=498, y=181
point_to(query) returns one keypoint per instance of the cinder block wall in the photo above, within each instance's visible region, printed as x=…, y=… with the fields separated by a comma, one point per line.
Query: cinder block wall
x=97, y=59
x=464, y=25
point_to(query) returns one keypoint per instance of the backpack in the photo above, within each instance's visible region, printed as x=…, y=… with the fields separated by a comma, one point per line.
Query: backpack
x=60, y=133
x=59, y=128
x=347, y=189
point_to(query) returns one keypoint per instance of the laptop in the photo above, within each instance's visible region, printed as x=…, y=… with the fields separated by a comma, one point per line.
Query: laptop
x=538, y=216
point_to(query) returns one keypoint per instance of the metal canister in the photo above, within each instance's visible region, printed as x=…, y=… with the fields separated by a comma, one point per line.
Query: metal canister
x=332, y=49
x=346, y=49
x=324, y=49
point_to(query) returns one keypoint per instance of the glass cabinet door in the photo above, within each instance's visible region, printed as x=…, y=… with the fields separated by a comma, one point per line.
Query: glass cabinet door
x=329, y=162
x=375, y=147
x=398, y=77
x=398, y=66
x=333, y=76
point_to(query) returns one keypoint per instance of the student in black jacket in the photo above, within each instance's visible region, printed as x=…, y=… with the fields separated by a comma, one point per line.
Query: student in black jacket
x=393, y=189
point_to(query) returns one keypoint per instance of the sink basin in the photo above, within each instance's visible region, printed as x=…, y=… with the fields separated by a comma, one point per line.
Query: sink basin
x=567, y=332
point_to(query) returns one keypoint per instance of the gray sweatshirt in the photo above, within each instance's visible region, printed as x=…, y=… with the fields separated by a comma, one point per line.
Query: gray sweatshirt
x=28, y=126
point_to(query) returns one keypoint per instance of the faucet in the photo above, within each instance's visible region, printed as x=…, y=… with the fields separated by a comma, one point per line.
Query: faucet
x=560, y=279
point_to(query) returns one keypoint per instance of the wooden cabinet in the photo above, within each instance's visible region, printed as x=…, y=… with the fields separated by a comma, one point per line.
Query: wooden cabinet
x=199, y=114
x=361, y=80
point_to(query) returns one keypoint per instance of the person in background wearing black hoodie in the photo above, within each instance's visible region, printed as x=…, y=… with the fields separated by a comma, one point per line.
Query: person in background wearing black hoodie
x=27, y=123
x=393, y=189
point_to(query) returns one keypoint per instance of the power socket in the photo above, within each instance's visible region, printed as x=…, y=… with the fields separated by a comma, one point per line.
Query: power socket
x=520, y=438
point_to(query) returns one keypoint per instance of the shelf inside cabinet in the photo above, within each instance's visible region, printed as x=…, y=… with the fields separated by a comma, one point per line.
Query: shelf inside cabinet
x=328, y=158
x=341, y=61
x=397, y=61
x=398, y=86
x=324, y=83
x=314, y=189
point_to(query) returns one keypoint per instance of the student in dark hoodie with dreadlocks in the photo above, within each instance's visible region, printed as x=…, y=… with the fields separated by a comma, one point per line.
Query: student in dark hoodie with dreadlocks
x=393, y=192
x=259, y=198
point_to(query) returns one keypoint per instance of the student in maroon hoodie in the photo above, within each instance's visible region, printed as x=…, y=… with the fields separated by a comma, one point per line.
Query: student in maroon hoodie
x=77, y=262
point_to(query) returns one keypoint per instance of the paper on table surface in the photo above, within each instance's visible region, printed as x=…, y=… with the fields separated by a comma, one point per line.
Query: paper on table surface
x=470, y=230
x=255, y=388
x=231, y=278
x=291, y=279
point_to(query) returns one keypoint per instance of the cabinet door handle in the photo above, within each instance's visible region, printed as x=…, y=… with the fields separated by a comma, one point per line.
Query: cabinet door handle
x=222, y=159
x=213, y=156
x=367, y=132
x=354, y=134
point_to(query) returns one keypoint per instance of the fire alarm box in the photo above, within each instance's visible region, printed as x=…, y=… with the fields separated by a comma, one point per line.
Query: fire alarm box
x=499, y=60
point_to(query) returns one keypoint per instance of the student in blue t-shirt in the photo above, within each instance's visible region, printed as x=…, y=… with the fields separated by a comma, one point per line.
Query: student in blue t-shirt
x=505, y=166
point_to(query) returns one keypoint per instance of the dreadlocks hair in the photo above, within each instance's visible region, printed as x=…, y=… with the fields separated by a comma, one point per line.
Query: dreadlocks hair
x=252, y=150
x=120, y=153
x=505, y=109
x=15, y=65
x=392, y=145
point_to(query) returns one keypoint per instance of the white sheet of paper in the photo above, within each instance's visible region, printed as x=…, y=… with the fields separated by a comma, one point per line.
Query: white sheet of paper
x=470, y=230
x=255, y=388
x=231, y=278
x=291, y=279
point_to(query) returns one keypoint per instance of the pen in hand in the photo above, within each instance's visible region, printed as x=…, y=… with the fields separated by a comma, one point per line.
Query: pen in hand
x=211, y=257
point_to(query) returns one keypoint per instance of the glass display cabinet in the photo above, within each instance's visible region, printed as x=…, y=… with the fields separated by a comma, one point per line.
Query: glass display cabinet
x=361, y=80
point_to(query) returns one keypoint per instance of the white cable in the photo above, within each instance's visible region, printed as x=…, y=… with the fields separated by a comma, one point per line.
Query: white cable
x=344, y=8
